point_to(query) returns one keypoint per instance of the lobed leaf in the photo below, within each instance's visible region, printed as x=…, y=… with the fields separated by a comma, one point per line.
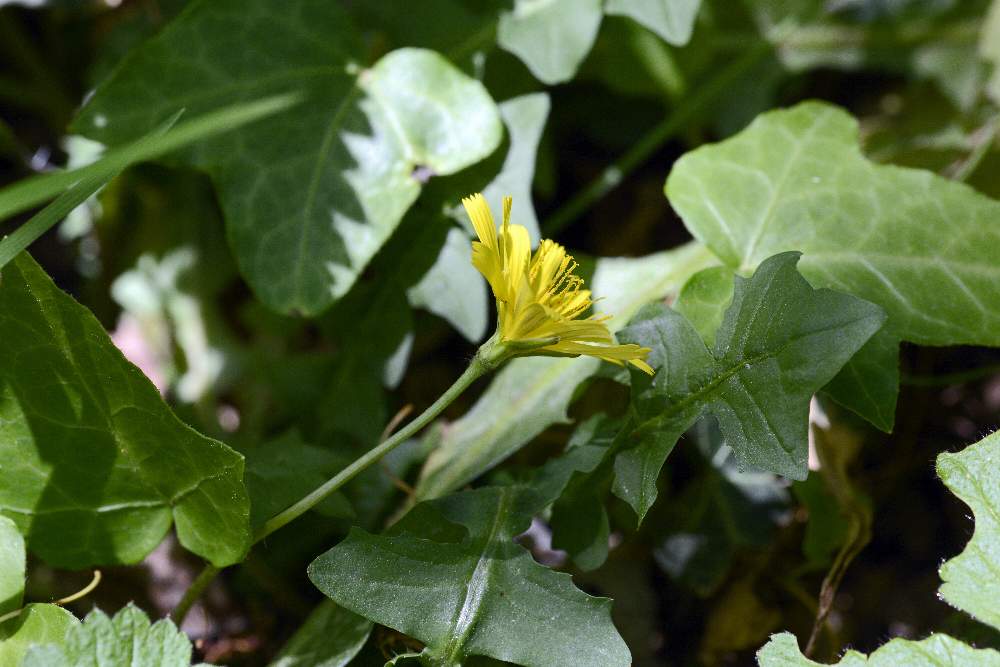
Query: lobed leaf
x=779, y=343
x=126, y=639
x=309, y=195
x=95, y=465
x=796, y=179
x=529, y=395
x=970, y=580
x=935, y=651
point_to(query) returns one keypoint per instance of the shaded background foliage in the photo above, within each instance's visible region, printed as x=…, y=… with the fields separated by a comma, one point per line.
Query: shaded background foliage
x=722, y=560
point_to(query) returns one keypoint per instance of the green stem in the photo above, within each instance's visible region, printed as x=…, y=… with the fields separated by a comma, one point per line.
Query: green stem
x=612, y=175
x=488, y=357
x=194, y=592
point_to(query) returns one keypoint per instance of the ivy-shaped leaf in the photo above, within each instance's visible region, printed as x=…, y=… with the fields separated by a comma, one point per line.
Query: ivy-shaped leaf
x=94, y=465
x=779, y=343
x=935, y=651
x=529, y=395
x=309, y=195
x=126, y=639
x=924, y=248
x=470, y=589
x=972, y=579
x=673, y=20
x=551, y=37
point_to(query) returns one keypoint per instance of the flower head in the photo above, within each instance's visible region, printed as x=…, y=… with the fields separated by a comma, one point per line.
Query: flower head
x=540, y=300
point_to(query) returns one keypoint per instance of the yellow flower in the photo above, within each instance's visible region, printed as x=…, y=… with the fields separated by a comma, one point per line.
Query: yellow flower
x=539, y=298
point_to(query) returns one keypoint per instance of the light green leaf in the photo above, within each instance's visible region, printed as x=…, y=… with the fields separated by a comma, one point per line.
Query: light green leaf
x=309, y=196
x=989, y=49
x=704, y=299
x=96, y=466
x=37, y=624
x=330, y=637
x=673, y=20
x=453, y=289
x=970, y=579
x=126, y=639
x=552, y=37
x=935, y=651
x=796, y=180
x=525, y=118
x=779, y=343
x=529, y=395
x=470, y=589
x=11, y=566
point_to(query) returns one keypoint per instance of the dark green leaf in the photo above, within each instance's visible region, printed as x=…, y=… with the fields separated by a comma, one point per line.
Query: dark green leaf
x=779, y=343
x=470, y=589
x=96, y=465
x=311, y=195
x=869, y=383
x=330, y=637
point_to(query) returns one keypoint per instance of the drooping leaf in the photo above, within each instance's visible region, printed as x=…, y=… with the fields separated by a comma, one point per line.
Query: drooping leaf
x=531, y=394
x=779, y=343
x=453, y=289
x=12, y=566
x=312, y=194
x=96, y=467
x=330, y=637
x=37, y=624
x=470, y=589
x=795, y=179
x=552, y=37
x=970, y=579
x=673, y=20
x=869, y=383
x=935, y=651
x=126, y=639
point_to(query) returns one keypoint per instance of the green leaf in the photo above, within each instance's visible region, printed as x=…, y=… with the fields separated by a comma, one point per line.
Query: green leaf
x=525, y=118
x=935, y=651
x=779, y=343
x=704, y=299
x=12, y=566
x=37, y=624
x=551, y=37
x=470, y=589
x=673, y=20
x=280, y=472
x=309, y=196
x=989, y=49
x=869, y=383
x=453, y=289
x=330, y=637
x=97, y=466
x=529, y=395
x=795, y=179
x=126, y=639
x=970, y=579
